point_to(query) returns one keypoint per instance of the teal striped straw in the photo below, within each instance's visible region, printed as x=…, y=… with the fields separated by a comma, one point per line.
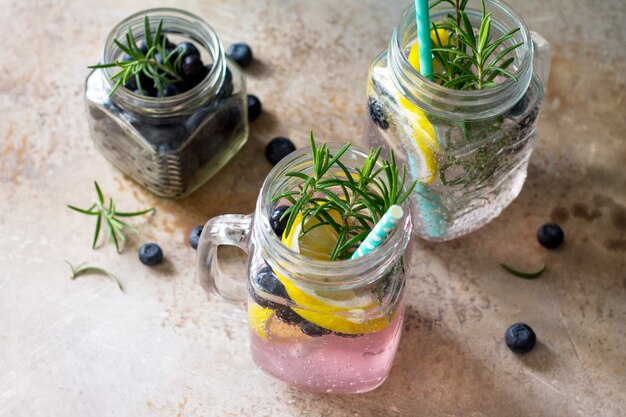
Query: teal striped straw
x=380, y=232
x=422, y=20
x=434, y=223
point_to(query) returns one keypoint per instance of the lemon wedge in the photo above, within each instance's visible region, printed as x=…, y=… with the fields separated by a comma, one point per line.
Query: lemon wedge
x=423, y=132
x=258, y=317
x=316, y=244
x=340, y=312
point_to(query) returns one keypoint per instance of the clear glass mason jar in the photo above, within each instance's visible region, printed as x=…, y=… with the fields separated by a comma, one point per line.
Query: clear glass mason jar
x=320, y=326
x=468, y=150
x=169, y=145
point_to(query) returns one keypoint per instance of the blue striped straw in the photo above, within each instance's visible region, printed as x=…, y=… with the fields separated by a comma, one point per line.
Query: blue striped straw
x=380, y=232
x=422, y=20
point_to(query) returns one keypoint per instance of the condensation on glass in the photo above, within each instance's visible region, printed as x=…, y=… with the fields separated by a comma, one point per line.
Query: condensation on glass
x=468, y=150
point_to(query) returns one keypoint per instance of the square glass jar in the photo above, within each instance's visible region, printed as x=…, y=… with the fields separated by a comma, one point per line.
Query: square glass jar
x=169, y=145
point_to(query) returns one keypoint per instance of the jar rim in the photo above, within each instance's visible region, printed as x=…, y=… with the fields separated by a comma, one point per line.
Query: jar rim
x=315, y=273
x=455, y=104
x=168, y=106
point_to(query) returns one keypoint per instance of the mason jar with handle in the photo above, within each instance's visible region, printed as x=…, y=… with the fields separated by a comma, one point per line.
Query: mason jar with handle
x=468, y=149
x=318, y=325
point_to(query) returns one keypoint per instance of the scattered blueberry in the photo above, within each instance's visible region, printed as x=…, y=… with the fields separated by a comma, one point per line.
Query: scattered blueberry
x=240, y=53
x=520, y=338
x=267, y=282
x=254, y=107
x=278, y=148
x=188, y=49
x=192, y=66
x=278, y=225
x=312, y=329
x=169, y=90
x=194, y=236
x=150, y=254
x=378, y=114
x=550, y=235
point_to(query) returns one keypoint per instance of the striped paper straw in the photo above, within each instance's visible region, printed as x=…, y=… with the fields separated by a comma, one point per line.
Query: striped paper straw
x=422, y=20
x=380, y=232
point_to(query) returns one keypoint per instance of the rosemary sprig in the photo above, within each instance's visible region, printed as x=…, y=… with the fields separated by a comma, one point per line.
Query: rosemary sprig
x=470, y=62
x=525, y=275
x=84, y=269
x=351, y=206
x=161, y=73
x=110, y=216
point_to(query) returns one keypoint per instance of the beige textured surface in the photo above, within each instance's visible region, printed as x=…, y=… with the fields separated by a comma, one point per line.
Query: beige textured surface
x=81, y=348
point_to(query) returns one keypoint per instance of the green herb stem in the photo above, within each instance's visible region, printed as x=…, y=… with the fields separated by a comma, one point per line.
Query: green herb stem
x=168, y=71
x=468, y=61
x=351, y=206
x=110, y=217
x=525, y=275
x=84, y=269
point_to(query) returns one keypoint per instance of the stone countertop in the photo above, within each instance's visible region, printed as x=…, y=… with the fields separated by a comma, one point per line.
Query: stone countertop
x=82, y=348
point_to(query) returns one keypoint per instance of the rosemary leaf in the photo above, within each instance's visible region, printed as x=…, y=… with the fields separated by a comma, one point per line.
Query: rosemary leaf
x=525, y=275
x=84, y=269
x=114, y=226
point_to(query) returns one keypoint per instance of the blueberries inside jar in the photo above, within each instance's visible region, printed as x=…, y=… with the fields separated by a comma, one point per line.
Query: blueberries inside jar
x=176, y=122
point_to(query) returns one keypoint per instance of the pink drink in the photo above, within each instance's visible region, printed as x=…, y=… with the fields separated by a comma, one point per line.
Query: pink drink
x=329, y=363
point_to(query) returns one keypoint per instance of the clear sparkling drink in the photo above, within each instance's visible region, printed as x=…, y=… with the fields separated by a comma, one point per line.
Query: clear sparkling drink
x=468, y=149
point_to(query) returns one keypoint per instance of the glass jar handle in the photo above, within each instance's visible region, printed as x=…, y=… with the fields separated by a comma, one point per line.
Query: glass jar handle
x=229, y=229
x=542, y=58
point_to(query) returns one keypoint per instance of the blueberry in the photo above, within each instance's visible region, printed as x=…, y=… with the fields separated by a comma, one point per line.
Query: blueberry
x=287, y=315
x=520, y=107
x=254, y=107
x=194, y=236
x=227, y=84
x=278, y=148
x=188, y=49
x=520, y=338
x=150, y=254
x=192, y=66
x=131, y=84
x=378, y=114
x=169, y=90
x=240, y=53
x=195, y=79
x=313, y=330
x=165, y=149
x=267, y=282
x=550, y=235
x=143, y=46
x=278, y=225
x=147, y=92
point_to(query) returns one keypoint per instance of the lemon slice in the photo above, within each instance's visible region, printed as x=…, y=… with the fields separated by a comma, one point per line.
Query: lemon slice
x=336, y=311
x=345, y=315
x=258, y=317
x=317, y=243
x=423, y=132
